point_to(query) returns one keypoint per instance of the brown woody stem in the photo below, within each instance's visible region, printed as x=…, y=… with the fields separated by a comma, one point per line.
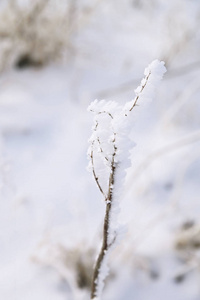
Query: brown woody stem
x=105, y=244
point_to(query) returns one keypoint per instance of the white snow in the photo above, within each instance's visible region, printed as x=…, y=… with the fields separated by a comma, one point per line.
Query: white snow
x=50, y=209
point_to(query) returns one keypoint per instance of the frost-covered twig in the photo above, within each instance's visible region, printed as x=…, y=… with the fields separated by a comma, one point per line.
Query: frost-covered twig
x=94, y=173
x=109, y=159
x=141, y=88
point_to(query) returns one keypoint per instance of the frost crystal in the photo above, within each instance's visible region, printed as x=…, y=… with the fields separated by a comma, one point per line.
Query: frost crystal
x=109, y=156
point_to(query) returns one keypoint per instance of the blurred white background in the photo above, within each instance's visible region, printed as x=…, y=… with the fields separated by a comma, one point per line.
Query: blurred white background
x=55, y=58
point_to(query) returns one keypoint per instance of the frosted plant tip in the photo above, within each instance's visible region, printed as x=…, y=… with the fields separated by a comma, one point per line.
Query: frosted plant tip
x=157, y=68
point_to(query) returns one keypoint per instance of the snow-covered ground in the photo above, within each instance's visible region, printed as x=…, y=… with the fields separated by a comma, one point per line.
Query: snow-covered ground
x=51, y=211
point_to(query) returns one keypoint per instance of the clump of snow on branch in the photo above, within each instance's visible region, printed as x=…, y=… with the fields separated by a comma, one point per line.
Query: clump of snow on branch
x=109, y=151
x=145, y=91
x=112, y=125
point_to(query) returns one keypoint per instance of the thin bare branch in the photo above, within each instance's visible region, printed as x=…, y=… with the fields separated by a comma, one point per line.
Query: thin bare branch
x=142, y=88
x=101, y=150
x=94, y=174
x=106, y=112
x=105, y=244
x=99, y=142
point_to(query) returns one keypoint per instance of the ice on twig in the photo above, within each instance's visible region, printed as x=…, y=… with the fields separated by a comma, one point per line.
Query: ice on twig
x=109, y=158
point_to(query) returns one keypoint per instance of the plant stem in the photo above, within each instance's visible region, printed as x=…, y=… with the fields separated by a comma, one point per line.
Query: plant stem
x=104, y=248
x=105, y=244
